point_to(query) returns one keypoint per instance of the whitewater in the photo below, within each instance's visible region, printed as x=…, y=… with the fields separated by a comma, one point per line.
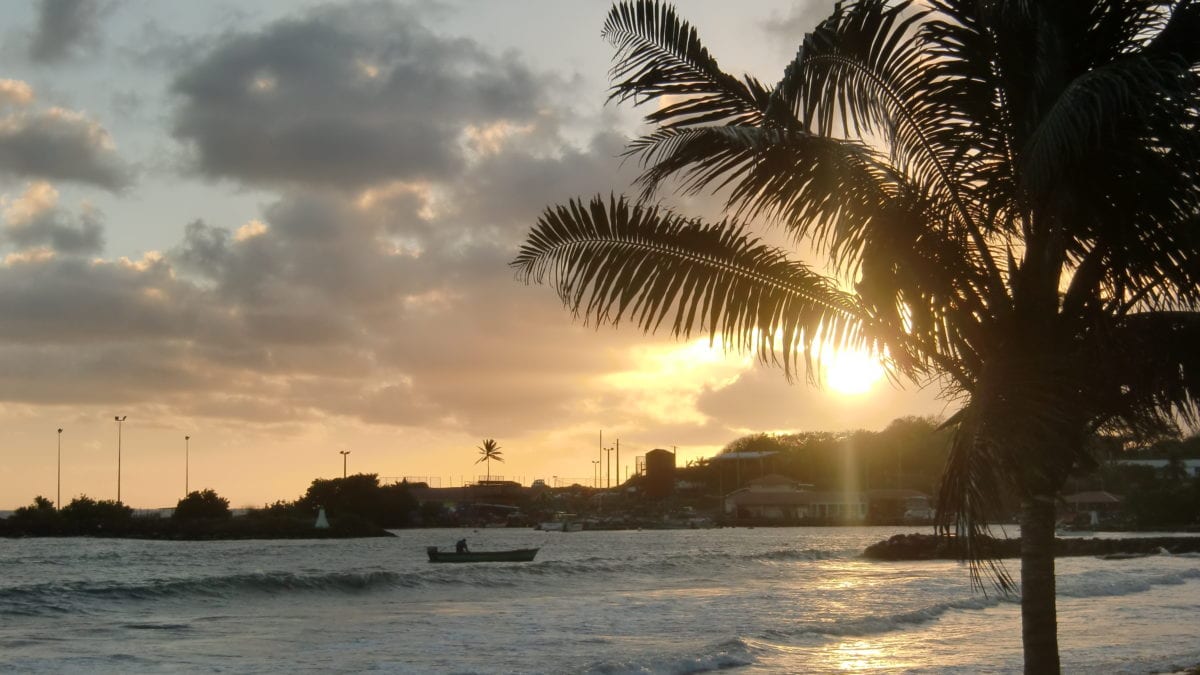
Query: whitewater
x=767, y=600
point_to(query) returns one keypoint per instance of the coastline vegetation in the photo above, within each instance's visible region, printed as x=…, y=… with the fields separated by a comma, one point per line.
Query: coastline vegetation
x=907, y=455
x=356, y=506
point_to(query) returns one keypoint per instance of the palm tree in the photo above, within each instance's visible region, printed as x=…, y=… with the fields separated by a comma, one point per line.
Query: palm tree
x=487, y=452
x=1010, y=189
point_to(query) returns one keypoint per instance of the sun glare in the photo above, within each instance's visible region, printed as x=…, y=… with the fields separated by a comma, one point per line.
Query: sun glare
x=850, y=373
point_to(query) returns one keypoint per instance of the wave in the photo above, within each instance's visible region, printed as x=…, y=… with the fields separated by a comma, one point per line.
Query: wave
x=734, y=653
x=876, y=624
x=59, y=597
x=1102, y=584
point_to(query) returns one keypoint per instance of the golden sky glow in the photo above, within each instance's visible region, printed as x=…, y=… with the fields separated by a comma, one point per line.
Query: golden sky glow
x=851, y=373
x=286, y=232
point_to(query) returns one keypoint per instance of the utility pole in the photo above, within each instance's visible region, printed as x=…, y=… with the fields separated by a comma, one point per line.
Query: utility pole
x=618, y=462
x=58, y=497
x=345, y=454
x=608, y=469
x=119, y=420
x=186, y=464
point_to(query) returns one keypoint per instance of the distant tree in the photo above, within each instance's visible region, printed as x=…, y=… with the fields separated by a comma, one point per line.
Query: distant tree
x=38, y=517
x=1168, y=505
x=202, y=505
x=40, y=504
x=361, y=496
x=487, y=452
x=87, y=513
x=1175, y=471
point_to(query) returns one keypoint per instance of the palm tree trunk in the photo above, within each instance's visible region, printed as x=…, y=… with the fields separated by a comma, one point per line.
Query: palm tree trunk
x=1039, y=619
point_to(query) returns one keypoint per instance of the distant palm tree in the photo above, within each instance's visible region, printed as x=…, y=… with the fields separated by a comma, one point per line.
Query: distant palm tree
x=1010, y=189
x=487, y=452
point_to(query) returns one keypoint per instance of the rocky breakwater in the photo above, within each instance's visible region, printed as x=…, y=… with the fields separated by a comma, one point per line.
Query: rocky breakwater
x=939, y=547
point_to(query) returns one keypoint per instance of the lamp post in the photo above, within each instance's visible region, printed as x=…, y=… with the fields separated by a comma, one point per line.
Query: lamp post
x=186, y=464
x=596, y=472
x=609, y=482
x=58, y=495
x=344, y=454
x=119, y=419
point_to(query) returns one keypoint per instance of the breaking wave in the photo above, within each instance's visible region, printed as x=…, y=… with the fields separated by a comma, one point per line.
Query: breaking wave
x=1096, y=585
x=51, y=597
x=732, y=653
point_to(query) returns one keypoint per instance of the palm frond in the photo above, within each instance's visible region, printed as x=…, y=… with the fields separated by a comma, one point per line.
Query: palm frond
x=1093, y=112
x=865, y=68
x=614, y=260
x=839, y=194
x=1149, y=376
x=1020, y=434
x=660, y=55
x=971, y=492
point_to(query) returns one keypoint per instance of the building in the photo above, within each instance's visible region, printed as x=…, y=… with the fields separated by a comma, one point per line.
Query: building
x=660, y=473
x=779, y=498
x=1090, y=507
x=895, y=506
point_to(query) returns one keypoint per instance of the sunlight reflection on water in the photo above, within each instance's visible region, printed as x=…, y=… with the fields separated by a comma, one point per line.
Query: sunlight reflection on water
x=767, y=600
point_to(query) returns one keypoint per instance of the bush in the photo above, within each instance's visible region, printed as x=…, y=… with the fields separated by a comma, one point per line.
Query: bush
x=85, y=513
x=203, y=505
x=361, y=496
x=39, y=518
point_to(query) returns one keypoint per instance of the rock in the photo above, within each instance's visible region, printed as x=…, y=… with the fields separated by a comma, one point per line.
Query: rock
x=937, y=547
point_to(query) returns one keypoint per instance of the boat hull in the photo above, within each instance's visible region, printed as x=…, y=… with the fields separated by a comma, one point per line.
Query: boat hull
x=516, y=555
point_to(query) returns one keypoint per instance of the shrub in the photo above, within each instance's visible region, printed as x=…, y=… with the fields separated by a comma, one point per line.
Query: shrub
x=202, y=505
x=87, y=513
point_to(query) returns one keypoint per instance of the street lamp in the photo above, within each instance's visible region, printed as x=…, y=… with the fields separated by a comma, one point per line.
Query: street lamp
x=596, y=472
x=58, y=496
x=119, y=420
x=344, y=454
x=186, y=464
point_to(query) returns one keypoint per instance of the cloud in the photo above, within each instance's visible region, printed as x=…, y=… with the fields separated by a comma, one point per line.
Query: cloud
x=34, y=219
x=761, y=399
x=801, y=20
x=65, y=28
x=349, y=96
x=59, y=144
x=15, y=93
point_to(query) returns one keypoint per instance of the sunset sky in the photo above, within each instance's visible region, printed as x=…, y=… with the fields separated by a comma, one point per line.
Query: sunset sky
x=283, y=229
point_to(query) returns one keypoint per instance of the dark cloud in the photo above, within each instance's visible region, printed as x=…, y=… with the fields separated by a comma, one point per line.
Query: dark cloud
x=71, y=301
x=65, y=28
x=345, y=96
x=59, y=230
x=59, y=144
x=392, y=305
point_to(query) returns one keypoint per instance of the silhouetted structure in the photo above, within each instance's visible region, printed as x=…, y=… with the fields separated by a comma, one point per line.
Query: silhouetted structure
x=660, y=473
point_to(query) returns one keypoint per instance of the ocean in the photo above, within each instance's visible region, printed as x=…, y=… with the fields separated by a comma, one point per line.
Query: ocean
x=766, y=600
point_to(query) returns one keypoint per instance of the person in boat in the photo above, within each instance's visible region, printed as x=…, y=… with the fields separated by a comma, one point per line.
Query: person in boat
x=461, y=546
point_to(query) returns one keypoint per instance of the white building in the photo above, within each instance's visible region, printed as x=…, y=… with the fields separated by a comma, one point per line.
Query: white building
x=775, y=497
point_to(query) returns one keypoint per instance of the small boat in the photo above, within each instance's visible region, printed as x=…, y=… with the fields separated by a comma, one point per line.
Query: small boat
x=515, y=555
x=563, y=522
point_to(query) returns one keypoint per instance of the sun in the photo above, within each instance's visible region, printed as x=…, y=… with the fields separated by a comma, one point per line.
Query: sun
x=850, y=373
